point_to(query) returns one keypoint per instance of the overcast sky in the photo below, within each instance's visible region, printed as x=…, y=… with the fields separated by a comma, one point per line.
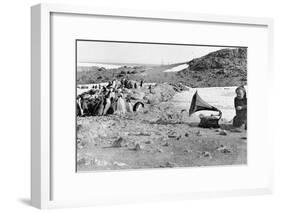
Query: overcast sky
x=114, y=52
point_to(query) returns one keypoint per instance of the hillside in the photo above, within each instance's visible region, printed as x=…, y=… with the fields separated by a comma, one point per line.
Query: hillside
x=225, y=67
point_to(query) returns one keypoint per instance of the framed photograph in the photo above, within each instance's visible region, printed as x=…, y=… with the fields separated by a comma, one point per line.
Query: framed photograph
x=134, y=106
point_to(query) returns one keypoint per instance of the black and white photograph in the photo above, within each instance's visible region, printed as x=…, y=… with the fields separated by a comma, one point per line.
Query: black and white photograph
x=159, y=105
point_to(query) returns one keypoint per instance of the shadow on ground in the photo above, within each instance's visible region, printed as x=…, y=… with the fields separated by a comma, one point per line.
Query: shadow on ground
x=25, y=201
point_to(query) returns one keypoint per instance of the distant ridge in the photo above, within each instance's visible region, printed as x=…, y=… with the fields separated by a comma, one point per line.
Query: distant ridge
x=222, y=68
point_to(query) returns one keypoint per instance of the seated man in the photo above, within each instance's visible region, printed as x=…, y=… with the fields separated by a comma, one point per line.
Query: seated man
x=240, y=104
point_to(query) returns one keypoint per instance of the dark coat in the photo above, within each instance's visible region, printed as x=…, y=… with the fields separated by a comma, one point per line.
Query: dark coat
x=241, y=115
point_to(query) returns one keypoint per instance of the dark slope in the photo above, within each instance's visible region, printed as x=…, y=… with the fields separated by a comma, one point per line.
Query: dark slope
x=226, y=67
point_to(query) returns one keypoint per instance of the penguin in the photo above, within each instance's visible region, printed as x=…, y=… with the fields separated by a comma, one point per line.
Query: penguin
x=107, y=104
x=129, y=106
x=113, y=106
x=100, y=107
x=79, y=109
x=141, y=83
x=138, y=106
x=121, y=105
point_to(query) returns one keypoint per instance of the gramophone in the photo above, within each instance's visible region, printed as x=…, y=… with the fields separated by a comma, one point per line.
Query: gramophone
x=198, y=104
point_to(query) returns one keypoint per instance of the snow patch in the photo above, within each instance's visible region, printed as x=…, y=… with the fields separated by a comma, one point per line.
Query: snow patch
x=177, y=68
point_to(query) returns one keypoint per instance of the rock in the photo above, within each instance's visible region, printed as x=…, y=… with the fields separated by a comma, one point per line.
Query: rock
x=81, y=144
x=223, y=149
x=168, y=164
x=187, y=150
x=138, y=147
x=220, y=147
x=115, y=163
x=144, y=134
x=88, y=162
x=85, y=160
x=97, y=162
x=145, y=111
x=159, y=150
x=81, y=161
x=172, y=134
x=118, y=143
x=78, y=127
x=206, y=154
x=140, y=134
x=166, y=144
x=157, y=133
x=237, y=130
x=148, y=142
x=198, y=133
x=178, y=137
x=179, y=87
x=186, y=134
x=223, y=132
x=126, y=144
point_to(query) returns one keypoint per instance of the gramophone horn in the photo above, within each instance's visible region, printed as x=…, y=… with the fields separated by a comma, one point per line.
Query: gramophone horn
x=198, y=104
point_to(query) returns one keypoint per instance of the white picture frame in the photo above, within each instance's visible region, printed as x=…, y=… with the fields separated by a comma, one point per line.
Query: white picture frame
x=41, y=90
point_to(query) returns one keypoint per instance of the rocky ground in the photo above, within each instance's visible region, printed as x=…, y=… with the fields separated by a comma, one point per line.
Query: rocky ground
x=159, y=136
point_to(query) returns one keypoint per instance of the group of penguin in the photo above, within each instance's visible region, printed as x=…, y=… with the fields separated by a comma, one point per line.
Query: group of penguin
x=104, y=101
